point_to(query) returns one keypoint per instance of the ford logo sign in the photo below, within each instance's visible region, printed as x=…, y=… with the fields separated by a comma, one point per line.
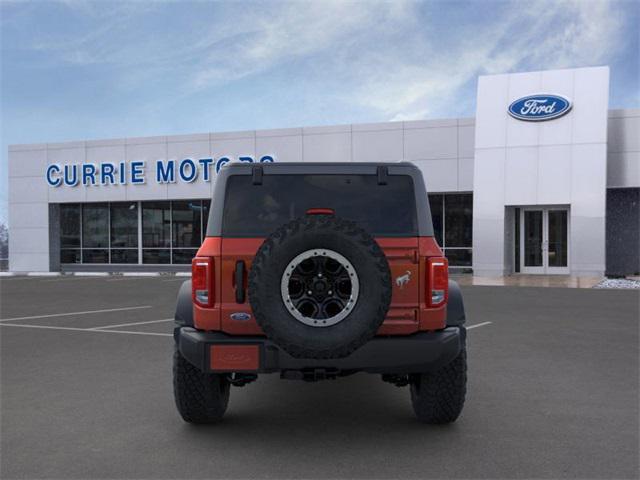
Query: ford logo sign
x=536, y=108
x=240, y=316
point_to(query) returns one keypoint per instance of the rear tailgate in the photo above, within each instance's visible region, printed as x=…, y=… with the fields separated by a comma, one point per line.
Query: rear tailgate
x=402, y=254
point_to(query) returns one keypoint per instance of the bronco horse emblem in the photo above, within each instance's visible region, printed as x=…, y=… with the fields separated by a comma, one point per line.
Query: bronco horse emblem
x=402, y=280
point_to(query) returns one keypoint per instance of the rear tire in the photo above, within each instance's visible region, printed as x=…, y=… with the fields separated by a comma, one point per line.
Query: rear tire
x=438, y=397
x=200, y=397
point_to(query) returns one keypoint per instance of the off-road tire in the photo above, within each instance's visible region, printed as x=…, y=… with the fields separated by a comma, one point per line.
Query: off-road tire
x=315, y=232
x=438, y=397
x=200, y=397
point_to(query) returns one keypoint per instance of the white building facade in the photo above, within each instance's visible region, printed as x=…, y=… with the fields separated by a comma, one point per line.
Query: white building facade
x=545, y=179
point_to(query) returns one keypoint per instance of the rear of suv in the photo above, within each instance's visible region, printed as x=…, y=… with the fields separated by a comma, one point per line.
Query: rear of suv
x=318, y=271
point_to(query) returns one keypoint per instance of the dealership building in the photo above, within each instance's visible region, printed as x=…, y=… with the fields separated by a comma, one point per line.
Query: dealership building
x=544, y=180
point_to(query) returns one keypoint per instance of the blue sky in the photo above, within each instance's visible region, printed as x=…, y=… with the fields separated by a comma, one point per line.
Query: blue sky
x=75, y=70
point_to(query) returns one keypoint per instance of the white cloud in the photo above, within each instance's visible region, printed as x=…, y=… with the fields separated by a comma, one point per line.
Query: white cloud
x=294, y=31
x=389, y=57
x=231, y=41
x=531, y=35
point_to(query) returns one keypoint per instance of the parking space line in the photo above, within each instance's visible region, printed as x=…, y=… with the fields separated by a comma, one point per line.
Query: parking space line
x=75, y=313
x=108, y=328
x=19, y=279
x=74, y=278
x=132, y=324
x=478, y=325
x=75, y=329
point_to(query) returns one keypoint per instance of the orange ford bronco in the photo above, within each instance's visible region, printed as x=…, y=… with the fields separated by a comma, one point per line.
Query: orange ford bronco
x=317, y=271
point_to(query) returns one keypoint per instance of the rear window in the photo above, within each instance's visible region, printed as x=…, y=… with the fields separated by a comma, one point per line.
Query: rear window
x=257, y=210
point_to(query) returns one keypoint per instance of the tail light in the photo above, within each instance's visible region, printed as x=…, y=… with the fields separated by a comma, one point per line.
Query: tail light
x=437, y=281
x=202, y=281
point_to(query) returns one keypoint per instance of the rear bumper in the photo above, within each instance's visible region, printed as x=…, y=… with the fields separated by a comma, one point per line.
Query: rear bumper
x=415, y=353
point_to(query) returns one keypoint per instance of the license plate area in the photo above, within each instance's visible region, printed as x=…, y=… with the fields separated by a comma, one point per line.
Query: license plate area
x=234, y=358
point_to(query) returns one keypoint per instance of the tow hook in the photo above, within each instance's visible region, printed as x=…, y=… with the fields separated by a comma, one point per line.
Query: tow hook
x=241, y=379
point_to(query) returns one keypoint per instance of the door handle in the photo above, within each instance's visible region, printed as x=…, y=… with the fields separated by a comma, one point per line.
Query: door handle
x=239, y=280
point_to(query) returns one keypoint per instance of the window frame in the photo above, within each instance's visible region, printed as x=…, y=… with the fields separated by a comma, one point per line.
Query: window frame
x=139, y=248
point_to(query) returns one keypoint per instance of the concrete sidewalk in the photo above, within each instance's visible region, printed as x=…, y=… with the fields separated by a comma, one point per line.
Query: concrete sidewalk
x=521, y=280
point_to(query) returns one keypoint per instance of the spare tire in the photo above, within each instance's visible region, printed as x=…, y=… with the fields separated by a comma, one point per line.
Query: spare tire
x=320, y=287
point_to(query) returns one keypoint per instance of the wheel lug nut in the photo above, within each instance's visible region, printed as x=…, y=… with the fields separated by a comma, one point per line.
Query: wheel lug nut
x=309, y=292
x=319, y=275
x=330, y=292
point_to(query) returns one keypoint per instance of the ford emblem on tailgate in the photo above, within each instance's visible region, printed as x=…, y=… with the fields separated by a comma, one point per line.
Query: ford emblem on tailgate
x=536, y=108
x=240, y=316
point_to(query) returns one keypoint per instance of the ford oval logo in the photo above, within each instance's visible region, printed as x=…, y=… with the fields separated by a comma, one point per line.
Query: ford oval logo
x=240, y=316
x=536, y=108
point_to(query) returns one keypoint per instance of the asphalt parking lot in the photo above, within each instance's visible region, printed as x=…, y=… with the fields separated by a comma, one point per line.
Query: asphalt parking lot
x=86, y=393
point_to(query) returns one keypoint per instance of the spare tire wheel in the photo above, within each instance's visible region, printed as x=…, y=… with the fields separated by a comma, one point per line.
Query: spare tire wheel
x=320, y=287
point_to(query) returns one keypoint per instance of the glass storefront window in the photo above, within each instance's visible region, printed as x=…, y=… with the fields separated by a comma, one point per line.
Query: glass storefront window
x=206, y=204
x=458, y=223
x=68, y=255
x=458, y=257
x=127, y=255
x=452, y=215
x=187, y=224
x=95, y=225
x=183, y=255
x=437, y=216
x=124, y=225
x=187, y=218
x=156, y=224
x=558, y=233
x=156, y=255
x=70, y=226
x=90, y=255
x=171, y=232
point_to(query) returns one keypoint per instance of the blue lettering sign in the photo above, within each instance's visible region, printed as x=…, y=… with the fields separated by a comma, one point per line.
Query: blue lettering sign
x=71, y=175
x=222, y=161
x=121, y=173
x=106, y=173
x=122, y=170
x=206, y=168
x=188, y=174
x=137, y=172
x=51, y=180
x=166, y=174
x=88, y=174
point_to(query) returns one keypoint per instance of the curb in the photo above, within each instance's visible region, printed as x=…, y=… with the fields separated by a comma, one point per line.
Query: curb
x=95, y=274
x=140, y=274
x=89, y=274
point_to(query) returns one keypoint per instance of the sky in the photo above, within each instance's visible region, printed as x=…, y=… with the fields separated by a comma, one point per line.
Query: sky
x=75, y=70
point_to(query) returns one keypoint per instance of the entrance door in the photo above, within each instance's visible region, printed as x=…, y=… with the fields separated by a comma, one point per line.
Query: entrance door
x=544, y=242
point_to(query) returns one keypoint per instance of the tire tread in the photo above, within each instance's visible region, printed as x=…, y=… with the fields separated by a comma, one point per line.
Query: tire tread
x=438, y=397
x=200, y=397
